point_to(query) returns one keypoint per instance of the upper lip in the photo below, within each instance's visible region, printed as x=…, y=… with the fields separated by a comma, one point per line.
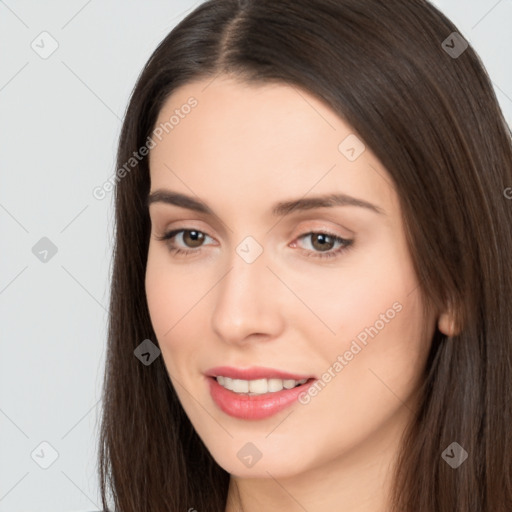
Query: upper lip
x=253, y=373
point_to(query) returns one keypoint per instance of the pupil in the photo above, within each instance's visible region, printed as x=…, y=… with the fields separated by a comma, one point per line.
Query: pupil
x=196, y=236
x=323, y=240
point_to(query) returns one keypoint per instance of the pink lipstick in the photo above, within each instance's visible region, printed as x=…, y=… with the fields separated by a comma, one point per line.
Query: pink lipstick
x=255, y=393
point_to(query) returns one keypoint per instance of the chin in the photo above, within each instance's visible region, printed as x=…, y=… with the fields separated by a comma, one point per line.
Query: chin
x=259, y=457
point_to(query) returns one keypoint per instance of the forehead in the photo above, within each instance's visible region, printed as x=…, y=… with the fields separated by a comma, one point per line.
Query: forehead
x=227, y=106
x=262, y=138
x=230, y=95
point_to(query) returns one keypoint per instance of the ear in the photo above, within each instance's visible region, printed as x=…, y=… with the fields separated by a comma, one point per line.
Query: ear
x=446, y=323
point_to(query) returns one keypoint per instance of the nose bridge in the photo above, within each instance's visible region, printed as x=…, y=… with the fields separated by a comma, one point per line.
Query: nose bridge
x=244, y=302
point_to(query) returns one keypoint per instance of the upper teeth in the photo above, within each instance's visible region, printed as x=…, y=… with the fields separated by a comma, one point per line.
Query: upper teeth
x=258, y=386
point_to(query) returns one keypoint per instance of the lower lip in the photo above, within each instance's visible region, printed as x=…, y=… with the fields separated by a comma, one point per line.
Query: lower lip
x=255, y=407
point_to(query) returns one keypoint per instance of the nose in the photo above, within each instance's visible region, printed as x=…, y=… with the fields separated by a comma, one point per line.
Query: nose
x=248, y=302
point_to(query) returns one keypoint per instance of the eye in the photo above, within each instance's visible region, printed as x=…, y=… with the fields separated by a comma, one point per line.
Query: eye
x=324, y=242
x=192, y=238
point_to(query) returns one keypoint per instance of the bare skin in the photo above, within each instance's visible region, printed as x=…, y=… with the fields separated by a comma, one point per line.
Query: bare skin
x=241, y=150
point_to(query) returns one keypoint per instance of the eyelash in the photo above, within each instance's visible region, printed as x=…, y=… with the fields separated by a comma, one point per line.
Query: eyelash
x=346, y=244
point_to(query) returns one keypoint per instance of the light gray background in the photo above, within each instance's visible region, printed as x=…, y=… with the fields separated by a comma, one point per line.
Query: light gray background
x=60, y=118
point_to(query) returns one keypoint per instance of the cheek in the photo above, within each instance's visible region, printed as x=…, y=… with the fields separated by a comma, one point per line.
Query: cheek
x=380, y=347
x=159, y=294
x=362, y=294
x=178, y=299
x=169, y=301
x=380, y=354
x=365, y=384
x=172, y=292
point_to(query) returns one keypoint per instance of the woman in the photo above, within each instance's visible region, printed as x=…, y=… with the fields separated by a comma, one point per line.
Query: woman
x=312, y=274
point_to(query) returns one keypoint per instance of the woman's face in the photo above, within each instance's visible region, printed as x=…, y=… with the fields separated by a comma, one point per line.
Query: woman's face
x=273, y=294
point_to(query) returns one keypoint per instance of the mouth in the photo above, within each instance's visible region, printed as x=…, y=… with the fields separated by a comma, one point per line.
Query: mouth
x=256, y=393
x=257, y=387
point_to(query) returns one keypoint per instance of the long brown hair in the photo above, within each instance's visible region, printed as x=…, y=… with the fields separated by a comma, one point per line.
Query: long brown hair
x=429, y=113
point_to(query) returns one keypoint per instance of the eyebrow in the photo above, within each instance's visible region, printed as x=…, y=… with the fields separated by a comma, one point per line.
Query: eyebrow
x=279, y=209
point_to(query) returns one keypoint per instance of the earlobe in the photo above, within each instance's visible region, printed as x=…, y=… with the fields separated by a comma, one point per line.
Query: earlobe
x=446, y=324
